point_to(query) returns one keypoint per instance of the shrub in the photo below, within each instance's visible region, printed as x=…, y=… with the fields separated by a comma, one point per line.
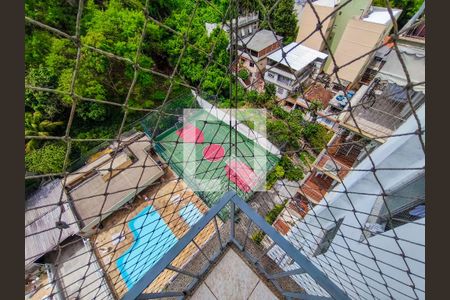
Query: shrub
x=294, y=174
x=317, y=136
x=48, y=159
x=273, y=214
x=258, y=236
x=280, y=113
x=243, y=74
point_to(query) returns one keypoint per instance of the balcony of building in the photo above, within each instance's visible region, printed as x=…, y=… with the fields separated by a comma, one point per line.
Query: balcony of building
x=341, y=154
x=316, y=185
x=232, y=265
x=416, y=33
x=381, y=108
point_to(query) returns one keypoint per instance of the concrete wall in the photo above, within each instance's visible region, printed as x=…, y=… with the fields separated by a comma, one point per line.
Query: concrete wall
x=308, y=23
x=359, y=38
x=350, y=10
x=377, y=268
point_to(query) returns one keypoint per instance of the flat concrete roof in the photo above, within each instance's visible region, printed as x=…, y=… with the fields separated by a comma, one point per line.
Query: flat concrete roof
x=380, y=15
x=328, y=3
x=260, y=40
x=88, y=197
x=80, y=274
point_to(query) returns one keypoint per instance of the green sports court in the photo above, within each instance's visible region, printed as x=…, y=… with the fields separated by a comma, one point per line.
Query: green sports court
x=202, y=151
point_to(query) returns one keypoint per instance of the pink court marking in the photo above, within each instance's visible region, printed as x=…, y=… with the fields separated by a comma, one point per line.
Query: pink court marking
x=241, y=175
x=190, y=134
x=213, y=152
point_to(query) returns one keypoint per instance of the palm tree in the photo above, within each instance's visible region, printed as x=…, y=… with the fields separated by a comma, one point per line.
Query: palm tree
x=36, y=126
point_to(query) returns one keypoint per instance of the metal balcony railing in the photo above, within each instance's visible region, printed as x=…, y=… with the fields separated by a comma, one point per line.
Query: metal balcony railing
x=239, y=208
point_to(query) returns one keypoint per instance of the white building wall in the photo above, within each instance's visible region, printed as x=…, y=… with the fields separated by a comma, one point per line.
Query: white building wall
x=380, y=269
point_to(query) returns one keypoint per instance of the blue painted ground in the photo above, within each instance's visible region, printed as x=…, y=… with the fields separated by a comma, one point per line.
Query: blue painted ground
x=191, y=214
x=150, y=244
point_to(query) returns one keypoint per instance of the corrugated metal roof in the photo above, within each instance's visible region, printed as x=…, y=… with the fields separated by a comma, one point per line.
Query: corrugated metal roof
x=297, y=58
x=43, y=201
x=41, y=214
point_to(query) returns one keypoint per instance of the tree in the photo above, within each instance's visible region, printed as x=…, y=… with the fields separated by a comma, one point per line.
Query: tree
x=56, y=13
x=283, y=19
x=196, y=67
x=313, y=107
x=317, y=136
x=35, y=125
x=243, y=74
x=270, y=90
x=48, y=159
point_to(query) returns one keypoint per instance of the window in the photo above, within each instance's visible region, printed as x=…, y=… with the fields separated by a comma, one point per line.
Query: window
x=328, y=236
x=271, y=75
x=284, y=79
x=280, y=90
x=251, y=64
x=401, y=206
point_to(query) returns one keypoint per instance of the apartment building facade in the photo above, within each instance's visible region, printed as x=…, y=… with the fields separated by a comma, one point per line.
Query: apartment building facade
x=247, y=25
x=373, y=242
x=253, y=51
x=355, y=30
x=385, y=121
x=307, y=22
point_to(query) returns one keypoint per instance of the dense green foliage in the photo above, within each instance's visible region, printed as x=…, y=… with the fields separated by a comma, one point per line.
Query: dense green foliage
x=196, y=66
x=115, y=27
x=48, y=159
x=243, y=74
x=317, y=136
x=286, y=130
x=285, y=169
x=282, y=19
x=274, y=212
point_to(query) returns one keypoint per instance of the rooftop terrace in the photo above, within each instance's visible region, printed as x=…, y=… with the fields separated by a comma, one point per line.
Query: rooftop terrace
x=132, y=167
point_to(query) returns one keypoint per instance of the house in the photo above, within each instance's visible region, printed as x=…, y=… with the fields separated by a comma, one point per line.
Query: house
x=289, y=66
x=391, y=206
x=247, y=24
x=253, y=51
x=383, y=105
x=105, y=184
